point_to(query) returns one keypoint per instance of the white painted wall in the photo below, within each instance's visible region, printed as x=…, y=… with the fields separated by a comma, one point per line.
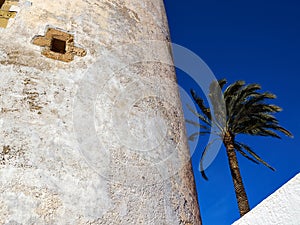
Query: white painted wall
x=280, y=208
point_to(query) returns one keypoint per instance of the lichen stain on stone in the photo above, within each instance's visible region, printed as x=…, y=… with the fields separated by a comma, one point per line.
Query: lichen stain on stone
x=14, y=156
x=6, y=149
x=24, y=58
x=6, y=110
x=32, y=96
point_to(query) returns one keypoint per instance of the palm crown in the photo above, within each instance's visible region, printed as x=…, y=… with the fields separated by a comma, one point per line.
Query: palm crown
x=242, y=109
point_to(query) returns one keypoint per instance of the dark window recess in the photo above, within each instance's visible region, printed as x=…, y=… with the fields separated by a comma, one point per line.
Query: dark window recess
x=58, y=45
x=1, y=3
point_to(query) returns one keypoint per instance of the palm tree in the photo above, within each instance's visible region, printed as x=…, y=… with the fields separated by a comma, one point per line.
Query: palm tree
x=240, y=110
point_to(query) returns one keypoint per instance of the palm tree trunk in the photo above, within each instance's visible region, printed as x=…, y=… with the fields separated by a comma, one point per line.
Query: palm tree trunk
x=240, y=192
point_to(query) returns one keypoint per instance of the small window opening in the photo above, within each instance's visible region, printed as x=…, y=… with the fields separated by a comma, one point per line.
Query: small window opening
x=1, y=3
x=58, y=45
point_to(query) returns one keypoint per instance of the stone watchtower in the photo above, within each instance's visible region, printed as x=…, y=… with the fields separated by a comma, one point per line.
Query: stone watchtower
x=91, y=125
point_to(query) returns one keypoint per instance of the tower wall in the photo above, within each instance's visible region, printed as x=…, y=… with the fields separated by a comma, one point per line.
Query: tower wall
x=91, y=124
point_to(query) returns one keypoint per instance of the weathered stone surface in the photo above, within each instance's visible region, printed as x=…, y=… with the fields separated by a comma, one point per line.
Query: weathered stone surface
x=100, y=139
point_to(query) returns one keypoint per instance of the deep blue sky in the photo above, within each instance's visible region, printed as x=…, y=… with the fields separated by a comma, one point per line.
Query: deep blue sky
x=259, y=42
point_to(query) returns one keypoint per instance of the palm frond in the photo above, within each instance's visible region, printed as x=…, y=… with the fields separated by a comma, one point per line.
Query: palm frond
x=253, y=103
x=222, y=82
x=230, y=92
x=264, y=108
x=256, y=129
x=253, y=117
x=241, y=96
x=279, y=128
x=200, y=102
x=194, y=123
x=266, y=118
x=217, y=100
x=258, y=158
x=255, y=110
x=259, y=98
x=202, y=118
x=240, y=150
x=198, y=133
x=202, y=158
x=266, y=133
x=260, y=126
x=233, y=88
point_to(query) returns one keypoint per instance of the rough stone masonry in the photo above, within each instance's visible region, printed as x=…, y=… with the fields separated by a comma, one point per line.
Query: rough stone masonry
x=91, y=125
